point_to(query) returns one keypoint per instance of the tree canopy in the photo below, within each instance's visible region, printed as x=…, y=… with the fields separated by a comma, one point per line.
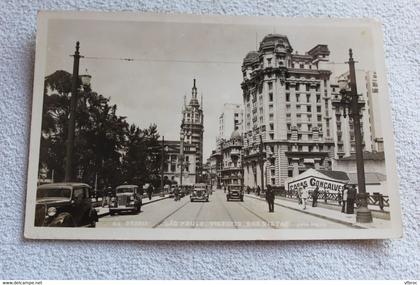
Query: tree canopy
x=106, y=146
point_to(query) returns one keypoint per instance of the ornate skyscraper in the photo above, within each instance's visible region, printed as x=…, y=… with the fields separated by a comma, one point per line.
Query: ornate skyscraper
x=192, y=128
x=287, y=112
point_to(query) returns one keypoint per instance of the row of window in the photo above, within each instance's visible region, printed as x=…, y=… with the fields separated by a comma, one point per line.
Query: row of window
x=307, y=109
x=306, y=86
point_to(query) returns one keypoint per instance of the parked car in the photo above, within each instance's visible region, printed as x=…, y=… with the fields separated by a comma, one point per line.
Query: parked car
x=64, y=205
x=127, y=198
x=199, y=193
x=235, y=192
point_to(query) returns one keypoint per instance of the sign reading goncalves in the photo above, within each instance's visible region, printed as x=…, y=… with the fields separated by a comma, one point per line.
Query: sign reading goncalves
x=312, y=182
x=313, y=179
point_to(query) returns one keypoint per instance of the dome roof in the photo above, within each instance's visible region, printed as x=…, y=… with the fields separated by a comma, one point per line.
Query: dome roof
x=236, y=135
x=251, y=57
x=271, y=40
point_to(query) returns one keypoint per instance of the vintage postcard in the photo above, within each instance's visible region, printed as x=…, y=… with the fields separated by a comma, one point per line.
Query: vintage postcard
x=182, y=127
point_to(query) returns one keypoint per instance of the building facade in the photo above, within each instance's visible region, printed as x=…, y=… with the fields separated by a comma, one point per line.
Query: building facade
x=287, y=109
x=344, y=139
x=375, y=110
x=216, y=166
x=230, y=119
x=192, y=128
x=231, y=171
x=173, y=162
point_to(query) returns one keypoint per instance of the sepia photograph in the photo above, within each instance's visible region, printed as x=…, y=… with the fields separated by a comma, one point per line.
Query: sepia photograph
x=183, y=127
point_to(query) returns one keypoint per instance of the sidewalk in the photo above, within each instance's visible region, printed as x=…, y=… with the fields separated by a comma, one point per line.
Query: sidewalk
x=331, y=215
x=104, y=211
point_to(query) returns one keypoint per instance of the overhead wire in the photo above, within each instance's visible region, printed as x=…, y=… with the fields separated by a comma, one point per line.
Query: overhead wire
x=159, y=60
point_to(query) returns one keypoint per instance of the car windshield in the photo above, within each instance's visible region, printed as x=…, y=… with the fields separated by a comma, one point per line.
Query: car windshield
x=125, y=190
x=54, y=192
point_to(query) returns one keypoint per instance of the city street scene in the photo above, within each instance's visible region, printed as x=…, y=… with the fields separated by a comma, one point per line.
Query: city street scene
x=152, y=124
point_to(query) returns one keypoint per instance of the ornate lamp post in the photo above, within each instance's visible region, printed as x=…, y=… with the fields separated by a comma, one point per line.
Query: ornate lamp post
x=164, y=150
x=351, y=106
x=181, y=159
x=73, y=105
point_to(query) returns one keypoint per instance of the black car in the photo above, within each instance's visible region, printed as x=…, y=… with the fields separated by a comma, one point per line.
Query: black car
x=199, y=193
x=127, y=199
x=235, y=192
x=64, y=205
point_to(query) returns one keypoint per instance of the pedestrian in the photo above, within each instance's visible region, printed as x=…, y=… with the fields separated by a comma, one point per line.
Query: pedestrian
x=108, y=194
x=270, y=198
x=305, y=196
x=258, y=190
x=176, y=193
x=339, y=198
x=351, y=198
x=149, y=190
x=326, y=196
x=299, y=195
x=344, y=199
x=315, y=197
x=248, y=189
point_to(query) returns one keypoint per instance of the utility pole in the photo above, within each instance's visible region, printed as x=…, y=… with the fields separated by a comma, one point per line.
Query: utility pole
x=162, y=163
x=181, y=158
x=72, y=120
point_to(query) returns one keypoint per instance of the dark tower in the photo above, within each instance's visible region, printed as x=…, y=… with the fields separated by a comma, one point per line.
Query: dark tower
x=192, y=128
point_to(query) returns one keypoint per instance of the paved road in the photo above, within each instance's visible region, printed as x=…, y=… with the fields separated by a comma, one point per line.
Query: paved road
x=217, y=213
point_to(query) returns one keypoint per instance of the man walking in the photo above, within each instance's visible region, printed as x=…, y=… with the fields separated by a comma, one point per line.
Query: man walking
x=270, y=198
x=305, y=196
x=315, y=197
x=345, y=194
x=299, y=195
x=351, y=198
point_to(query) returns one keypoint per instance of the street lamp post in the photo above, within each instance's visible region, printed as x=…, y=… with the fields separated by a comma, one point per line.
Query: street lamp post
x=350, y=105
x=181, y=159
x=72, y=120
x=85, y=79
x=162, y=163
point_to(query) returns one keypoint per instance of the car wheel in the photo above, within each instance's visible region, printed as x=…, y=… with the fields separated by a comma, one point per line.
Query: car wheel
x=112, y=213
x=207, y=199
x=92, y=224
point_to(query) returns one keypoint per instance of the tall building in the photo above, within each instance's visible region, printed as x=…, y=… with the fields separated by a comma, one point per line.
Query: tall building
x=232, y=172
x=192, y=128
x=375, y=110
x=230, y=119
x=287, y=105
x=367, y=90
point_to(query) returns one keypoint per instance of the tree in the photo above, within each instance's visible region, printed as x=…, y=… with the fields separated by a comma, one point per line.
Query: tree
x=106, y=146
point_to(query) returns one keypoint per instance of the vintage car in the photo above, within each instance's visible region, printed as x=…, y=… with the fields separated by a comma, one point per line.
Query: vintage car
x=235, y=192
x=127, y=198
x=199, y=193
x=64, y=205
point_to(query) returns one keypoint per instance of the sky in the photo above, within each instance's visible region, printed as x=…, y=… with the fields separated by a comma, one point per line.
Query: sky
x=168, y=56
